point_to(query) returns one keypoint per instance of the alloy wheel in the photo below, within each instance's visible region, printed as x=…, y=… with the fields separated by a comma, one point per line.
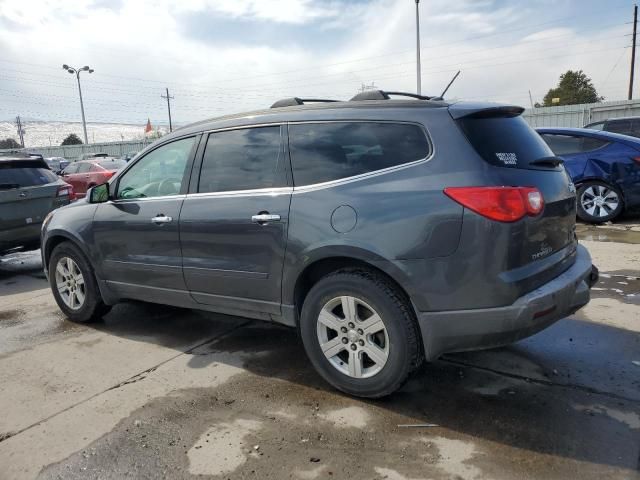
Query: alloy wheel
x=599, y=201
x=353, y=337
x=70, y=283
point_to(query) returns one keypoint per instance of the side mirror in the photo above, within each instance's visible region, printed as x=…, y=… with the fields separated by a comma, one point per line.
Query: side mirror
x=99, y=193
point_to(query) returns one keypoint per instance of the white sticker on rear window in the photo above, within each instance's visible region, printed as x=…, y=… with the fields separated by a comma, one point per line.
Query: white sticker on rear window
x=508, y=158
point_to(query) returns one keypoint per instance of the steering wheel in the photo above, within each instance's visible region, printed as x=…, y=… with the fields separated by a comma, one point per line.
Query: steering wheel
x=167, y=187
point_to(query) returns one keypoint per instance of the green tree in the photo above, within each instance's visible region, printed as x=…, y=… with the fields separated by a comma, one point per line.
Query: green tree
x=573, y=88
x=9, y=143
x=72, y=139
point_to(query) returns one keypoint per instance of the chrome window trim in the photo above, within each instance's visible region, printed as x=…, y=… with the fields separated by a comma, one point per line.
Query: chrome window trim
x=362, y=176
x=244, y=193
x=118, y=201
x=279, y=123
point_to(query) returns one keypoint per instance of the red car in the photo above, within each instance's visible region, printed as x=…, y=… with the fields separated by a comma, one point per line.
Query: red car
x=88, y=173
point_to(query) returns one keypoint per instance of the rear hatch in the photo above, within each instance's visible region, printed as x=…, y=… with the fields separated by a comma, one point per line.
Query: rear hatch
x=542, y=245
x=28, y=191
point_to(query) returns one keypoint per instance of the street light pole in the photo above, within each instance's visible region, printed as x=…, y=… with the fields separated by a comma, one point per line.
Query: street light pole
x=418, y=79
x=77, y=71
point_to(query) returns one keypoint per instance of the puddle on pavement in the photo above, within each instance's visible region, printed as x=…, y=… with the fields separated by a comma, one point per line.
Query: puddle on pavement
x=619, y=285
x=19, y=329
x=602, y=234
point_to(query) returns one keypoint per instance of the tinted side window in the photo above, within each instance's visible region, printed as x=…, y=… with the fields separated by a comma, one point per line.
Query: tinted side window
x=244, y=159
x=159, y=173
x=73, y=168
x=84, y=167
x=563, y=144
x=596, y=126
x=322, y=152
x=619, y=126
x=589, y=144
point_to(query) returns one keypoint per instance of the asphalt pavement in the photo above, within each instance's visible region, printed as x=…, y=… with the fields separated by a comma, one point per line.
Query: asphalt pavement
x=160, y=392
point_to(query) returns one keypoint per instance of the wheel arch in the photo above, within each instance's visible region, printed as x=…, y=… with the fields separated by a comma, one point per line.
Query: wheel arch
x=54, y=239
x=321, y=265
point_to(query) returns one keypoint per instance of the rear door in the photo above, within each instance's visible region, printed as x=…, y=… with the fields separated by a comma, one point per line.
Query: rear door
x=136, y=232
x=233, y=225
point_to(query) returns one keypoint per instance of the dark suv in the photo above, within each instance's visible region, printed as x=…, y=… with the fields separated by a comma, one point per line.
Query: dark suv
x=387, y=231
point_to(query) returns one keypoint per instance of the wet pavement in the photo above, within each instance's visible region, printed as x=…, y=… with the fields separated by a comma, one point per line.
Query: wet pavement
x=158, y=392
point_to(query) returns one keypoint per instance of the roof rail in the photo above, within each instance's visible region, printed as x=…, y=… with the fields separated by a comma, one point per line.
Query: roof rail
x=382, y=95
x=290, y=102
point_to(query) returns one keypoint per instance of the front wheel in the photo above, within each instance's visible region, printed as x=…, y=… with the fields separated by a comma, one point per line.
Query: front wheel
x=360, y=333
x=599, y=202
x=74, y=285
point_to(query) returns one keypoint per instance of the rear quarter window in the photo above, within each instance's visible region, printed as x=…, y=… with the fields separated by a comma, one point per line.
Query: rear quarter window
x=504, y=141
x=323, y=152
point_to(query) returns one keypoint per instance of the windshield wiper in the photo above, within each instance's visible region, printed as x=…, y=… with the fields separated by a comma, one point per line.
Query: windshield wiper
x=551, y=161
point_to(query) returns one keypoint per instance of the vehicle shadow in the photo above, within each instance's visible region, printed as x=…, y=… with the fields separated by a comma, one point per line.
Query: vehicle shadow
x=567, y=392
x=21, y=272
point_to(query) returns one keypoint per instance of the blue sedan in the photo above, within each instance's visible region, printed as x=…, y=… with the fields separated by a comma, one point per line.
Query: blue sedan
x=604, y=166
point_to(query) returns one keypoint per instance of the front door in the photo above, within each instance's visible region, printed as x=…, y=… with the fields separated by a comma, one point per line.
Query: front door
x=136, y=233
x=233, y=225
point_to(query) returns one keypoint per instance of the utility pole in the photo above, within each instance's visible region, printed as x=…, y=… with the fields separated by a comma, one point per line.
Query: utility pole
x=20, y=130
x=633, y=50
x=418, y=80
x=168, y=108
x=531, y=99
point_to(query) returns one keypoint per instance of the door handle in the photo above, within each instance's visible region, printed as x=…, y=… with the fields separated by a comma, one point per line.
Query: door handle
x=264, y=218
x=160, y=219
x=22, y=194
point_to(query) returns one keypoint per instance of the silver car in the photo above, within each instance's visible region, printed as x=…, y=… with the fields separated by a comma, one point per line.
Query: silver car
x=28, y=192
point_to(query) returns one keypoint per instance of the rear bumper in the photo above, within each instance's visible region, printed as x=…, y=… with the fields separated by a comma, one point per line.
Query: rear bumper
x=460, y=330
x=20, y=237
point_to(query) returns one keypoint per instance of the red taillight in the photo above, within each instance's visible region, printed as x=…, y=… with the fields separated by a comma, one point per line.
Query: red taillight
x=636, y=159
x=66, y=191
x=504, y=204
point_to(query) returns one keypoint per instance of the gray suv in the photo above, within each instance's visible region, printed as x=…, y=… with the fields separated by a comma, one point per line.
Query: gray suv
x=387, y=231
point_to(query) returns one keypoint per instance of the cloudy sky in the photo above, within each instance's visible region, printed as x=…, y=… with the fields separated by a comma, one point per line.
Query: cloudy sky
x=224, y=56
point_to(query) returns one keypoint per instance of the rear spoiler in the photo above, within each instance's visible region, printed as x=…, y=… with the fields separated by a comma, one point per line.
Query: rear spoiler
x=483, y=110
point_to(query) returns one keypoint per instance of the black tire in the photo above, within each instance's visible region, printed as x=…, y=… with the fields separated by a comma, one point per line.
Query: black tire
x=93, y=308
x=585, y=193
x=404, y=352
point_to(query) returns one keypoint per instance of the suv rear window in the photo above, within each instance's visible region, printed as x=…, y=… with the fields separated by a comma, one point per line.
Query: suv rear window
x=12, y=177
x=322, y=152
x=505, y=141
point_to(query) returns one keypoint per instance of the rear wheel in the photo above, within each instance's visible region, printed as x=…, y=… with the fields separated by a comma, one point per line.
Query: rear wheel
x=599, y=202
x=360, y=333
x=74, y=285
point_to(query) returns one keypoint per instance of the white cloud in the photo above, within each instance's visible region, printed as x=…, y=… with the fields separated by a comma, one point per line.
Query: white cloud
x=327, y=50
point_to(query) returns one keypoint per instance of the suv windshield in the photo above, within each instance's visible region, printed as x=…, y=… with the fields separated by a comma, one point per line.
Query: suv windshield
x=505, y=141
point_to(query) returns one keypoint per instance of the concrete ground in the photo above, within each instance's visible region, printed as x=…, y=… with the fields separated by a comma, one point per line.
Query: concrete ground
x=158, y=392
